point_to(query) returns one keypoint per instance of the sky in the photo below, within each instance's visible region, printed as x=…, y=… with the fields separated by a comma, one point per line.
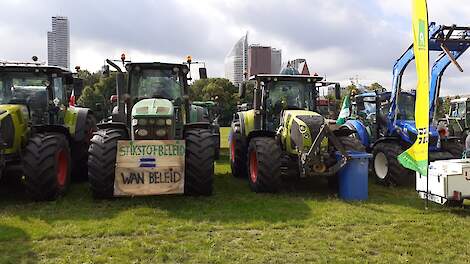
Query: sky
x=340, y=39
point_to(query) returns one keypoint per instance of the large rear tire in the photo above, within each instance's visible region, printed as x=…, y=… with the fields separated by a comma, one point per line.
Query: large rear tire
x=46, y=166
x=80, y=150
x=386, y=168
x=238, y=156
x=102, y=161
x=264, y=163
x=199, y=163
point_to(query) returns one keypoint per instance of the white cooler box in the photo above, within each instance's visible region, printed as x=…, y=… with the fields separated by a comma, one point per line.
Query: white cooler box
x=449, y=180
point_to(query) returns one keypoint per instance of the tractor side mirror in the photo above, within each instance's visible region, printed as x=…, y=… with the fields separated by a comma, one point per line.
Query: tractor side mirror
x=337, y=91
x=69, y=79
x=242, y=90
x=106, y=71
x=202, y=73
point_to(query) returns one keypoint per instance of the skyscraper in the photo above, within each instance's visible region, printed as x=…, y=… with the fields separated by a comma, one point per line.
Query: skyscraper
x=236, y=61
x=259, y=60
x=58, y=43
x=276, y=60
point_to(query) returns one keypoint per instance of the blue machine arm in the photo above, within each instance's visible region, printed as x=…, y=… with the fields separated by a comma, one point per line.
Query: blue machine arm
x=437, y=38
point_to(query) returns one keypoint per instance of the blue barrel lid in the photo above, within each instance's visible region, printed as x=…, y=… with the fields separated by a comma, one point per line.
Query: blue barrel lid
x=356, y=154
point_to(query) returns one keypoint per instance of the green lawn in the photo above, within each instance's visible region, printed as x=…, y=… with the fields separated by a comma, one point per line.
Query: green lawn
x=302, y=224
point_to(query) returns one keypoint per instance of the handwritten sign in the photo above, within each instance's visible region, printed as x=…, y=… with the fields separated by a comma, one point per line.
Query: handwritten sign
x=149, y=167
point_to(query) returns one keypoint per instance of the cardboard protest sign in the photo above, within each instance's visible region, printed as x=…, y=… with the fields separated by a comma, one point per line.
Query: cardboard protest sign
x=149, y=167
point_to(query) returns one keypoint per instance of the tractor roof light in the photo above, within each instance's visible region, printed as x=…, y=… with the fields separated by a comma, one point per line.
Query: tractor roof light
x=189, y=59
x=123, y=57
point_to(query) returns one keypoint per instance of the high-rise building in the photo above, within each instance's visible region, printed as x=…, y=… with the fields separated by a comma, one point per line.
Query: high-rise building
x=58, y=42
x=259, y=60
x=276, y=60
x=236, y=61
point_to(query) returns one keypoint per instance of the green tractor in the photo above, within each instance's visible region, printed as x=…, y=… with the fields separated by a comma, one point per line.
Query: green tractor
x=42, y=137
x=156, y=141
x=283, y=138
x=213, y=117
x=457, y=122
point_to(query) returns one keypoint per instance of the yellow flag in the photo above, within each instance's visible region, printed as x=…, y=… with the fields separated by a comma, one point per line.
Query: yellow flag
x=416, y=157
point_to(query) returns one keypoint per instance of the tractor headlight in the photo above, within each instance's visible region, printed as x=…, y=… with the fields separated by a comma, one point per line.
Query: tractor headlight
x=152, y=121
x=142, y=122
x=160, y=122
x=135, y=122
x=161, y=132
x=142, y=132
x=168, y=122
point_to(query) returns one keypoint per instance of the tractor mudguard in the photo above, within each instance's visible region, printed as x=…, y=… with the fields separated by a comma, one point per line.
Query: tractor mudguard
x=205, y=125
x=116, y=125
x=360, y=129
x=80, y=125
x=395, y=140
x=53, y=128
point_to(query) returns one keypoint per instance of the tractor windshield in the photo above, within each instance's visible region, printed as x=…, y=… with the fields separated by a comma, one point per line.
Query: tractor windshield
x=406, y=106
x=156, y=83
x=290, y=95
x=24, y=86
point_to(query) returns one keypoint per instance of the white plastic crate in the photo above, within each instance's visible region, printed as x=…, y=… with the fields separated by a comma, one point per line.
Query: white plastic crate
x=449, y=180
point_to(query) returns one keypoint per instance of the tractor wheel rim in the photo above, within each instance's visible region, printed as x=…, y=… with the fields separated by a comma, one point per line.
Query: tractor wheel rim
x=253, y=166
x=381, y=165
x=232, y=150
x=62, y=167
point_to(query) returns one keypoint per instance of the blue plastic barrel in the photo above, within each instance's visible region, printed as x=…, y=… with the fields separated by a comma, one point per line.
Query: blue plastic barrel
x=353, y=177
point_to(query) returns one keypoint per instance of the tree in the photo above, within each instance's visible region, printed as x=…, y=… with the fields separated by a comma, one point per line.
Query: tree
x=99, y=93
x=219, y=90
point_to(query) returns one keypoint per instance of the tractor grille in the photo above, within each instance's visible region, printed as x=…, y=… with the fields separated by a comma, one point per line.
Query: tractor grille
x=152, y=129
x=314, y=123
x=7, y=131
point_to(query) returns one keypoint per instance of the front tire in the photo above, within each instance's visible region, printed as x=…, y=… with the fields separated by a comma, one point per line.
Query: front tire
x=199, y=162
x=46, y=166
x=238, y=156
x=264, y=163
x=386, y=168
x=102, y=161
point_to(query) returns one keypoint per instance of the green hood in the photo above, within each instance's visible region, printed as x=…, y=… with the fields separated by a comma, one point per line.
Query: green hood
x=153, y=108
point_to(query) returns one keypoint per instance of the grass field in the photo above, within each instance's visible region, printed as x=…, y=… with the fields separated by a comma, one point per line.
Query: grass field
x=300, y=225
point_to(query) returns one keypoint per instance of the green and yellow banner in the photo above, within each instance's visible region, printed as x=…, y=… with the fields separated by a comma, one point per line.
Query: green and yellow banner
x=416, y=157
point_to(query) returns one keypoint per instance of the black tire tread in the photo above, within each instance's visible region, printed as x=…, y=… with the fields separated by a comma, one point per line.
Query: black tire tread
x=102, y=161
x=199, y=162
x=238, y=166
x=268, y=155
x=39, y=166
x=397, y=174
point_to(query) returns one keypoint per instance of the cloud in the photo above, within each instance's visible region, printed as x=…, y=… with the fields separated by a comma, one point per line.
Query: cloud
x=338, y=38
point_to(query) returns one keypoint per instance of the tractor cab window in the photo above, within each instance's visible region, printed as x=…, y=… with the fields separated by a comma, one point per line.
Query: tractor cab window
x=23, y=87
x=458, y=110
x=406, y=107
x=156, y=83
x=288, y=95
x=59, y=96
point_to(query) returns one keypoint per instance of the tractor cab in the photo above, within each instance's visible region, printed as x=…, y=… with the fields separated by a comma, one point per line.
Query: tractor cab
x=277, y=95
x=41, y=90
x=457, y=121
